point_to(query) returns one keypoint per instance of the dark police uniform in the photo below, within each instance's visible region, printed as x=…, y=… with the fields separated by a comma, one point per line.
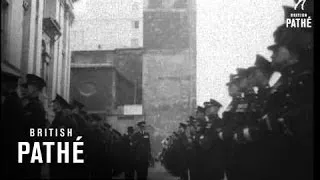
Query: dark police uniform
x=248, y=152
x=197, y=169
x=230, y=123
x=12, y=114
x=117, y=153
x=64, y=119
x=194, y=156
x=211, y=146
x=128, y=153
x=142, y=149
x=183, y=144
x=34, y=117
x=174, y=157
x=99, y=150
x=212, y=149
x=290, y=112
x=290, y=106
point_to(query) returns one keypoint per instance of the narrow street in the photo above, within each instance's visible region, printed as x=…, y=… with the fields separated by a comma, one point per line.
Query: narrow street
x=156, y=173
x=159, y=173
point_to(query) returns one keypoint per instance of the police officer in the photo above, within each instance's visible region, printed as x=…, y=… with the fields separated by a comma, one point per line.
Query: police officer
x=200, y=113
x=260, y=79
x=182, y=146
x=230, y=123
x=142, y=149
x=98, y=157
x=259, y=89
x=34, y=117
x=129, y=156
x=63, y=114
x=211, y=112
x=190, y=134
x=78, y=108
x=290, y=104
x=83, y=129
x=247, y=151
x=210, y=143
x=12, y=114
x=117, y=153
x=245, y=154
x=251, y=135
x=174, y=156
x=197, y=168
x=63, y=119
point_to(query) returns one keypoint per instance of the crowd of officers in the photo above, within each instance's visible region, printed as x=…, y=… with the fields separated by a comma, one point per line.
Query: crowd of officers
x=106, y=152
x=266, y=132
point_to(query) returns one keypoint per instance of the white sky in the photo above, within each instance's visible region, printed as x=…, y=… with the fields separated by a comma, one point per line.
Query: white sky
x=229, y=35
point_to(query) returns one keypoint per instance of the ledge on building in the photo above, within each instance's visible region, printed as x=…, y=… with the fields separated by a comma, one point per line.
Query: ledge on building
x=51, y=27
x=181, y=10
x=92, y=65
x=10, y=68
x=129, y=50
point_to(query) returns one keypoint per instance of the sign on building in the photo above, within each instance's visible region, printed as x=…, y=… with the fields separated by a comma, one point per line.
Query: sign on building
x=135, y=109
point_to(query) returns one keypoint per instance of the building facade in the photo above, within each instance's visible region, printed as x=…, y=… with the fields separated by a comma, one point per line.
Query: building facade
x=169, y=65
x=108, y=25
x=108, y=33
x=107, y=82
x=35, y=38
x=151, y=43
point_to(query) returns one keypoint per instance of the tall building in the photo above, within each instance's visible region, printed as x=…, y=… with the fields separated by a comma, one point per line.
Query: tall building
x=35, y=36
x=169, y=65
x=106, y=66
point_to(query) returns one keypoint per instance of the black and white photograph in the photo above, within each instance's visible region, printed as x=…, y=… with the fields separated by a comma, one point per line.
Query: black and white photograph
x=157, y=89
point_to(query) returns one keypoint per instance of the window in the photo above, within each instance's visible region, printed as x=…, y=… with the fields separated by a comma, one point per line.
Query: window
x=180, y=4
x=134, y=42
x=135, y=6
x=135, y=24
x=154, y=4
x=168, y=3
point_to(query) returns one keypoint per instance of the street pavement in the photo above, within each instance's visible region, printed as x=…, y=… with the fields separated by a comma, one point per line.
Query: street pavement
x=155, y=173
x=158, y=172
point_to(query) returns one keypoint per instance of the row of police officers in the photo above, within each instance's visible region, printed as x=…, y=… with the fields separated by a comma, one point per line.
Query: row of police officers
x=106, y=152
x=266, y=132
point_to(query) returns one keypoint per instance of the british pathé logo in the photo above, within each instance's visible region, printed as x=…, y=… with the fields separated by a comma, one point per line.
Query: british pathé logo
x=300, y=2
x=299, y=19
